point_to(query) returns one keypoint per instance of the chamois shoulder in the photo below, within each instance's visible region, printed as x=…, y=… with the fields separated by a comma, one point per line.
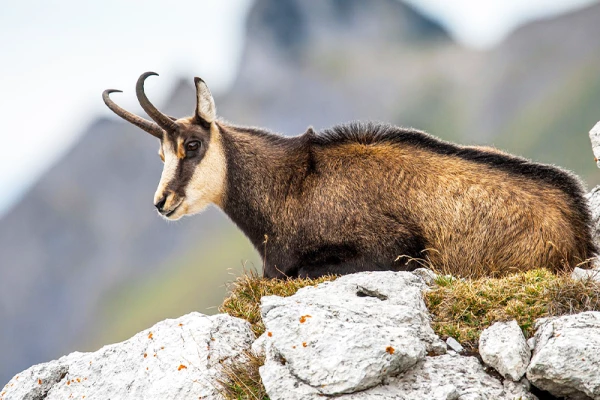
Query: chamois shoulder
x=370, y=133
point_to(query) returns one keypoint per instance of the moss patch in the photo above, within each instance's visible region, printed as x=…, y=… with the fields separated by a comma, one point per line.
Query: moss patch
x=462, y=308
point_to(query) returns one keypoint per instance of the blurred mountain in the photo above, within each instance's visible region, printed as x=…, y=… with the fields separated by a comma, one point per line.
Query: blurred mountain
x=85, y=260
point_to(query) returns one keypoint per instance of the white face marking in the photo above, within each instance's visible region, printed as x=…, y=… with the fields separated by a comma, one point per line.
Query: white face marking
x=169, y=170
x=207, y=184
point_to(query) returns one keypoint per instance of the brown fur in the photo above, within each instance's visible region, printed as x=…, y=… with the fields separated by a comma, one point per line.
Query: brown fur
x=367, y=196
x=340, y=208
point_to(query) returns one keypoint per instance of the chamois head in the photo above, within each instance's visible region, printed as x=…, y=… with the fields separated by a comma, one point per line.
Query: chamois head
x=194, y=164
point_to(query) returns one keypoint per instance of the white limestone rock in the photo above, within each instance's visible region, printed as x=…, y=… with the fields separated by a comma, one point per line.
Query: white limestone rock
x=454, y=345
x=595, y=139
x=518, y=390
x=586, y=274
x=503, y=347
x=531, y=343
x=446, y=377
x=593, y=198
x=175, y=359
x=349, y=334
x=426, y=274
x=258, y=347
x=567, y=355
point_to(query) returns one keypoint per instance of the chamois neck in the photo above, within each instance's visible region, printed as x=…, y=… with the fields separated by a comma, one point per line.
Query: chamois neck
x=261, y=168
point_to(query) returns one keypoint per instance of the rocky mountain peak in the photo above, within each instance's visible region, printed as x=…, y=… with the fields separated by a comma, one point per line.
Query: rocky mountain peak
x=293, y=26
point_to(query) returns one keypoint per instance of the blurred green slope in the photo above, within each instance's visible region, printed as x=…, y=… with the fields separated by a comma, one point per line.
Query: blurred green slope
x=194, y=281
x=555, y=129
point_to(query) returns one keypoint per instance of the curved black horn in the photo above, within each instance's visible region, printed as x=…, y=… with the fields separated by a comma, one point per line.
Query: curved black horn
x=140, y=122
x=161, y=119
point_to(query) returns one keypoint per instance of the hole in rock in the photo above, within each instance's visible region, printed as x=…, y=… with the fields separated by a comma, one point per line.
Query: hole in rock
x=364, y=292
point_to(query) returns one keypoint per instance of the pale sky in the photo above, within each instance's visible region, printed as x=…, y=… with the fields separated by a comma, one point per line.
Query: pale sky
x=57, y=56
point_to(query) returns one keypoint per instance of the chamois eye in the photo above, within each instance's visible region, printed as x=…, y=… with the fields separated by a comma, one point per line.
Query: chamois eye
x=193, y=146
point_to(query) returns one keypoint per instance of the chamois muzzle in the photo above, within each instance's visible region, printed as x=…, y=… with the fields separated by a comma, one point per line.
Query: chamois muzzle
x=164, y=121
x=168, y=203
x=150, y=127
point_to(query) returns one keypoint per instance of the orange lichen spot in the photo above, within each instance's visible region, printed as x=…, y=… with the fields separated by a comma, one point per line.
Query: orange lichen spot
x=180, y=324
x=181, y=366
x=390, y=349
x=304, y=344
x=78, y=380
x=269, y=334
x=162, y=348
x=39, y=381
x=146, y=368
x=145, y=355
x=213, y=339
x=154, y=354
x=83, y=397
x=85, y=379
x=150, y=335
x=303, y=318
x=68, y=382
x=293, y=347
x=17, y=378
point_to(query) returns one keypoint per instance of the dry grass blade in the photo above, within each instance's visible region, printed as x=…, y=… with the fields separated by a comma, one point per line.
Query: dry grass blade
x=242, y=380
x=574, y=296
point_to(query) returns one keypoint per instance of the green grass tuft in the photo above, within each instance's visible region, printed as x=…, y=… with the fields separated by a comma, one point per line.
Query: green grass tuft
x=462, y=308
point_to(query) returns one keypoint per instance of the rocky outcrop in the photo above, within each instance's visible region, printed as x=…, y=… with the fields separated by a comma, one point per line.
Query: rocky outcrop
x=175, y=359
x=350, y=334
x=444, y=377
x=362, y=336
x=503, y=347
x=366, y=336
x=566, y=358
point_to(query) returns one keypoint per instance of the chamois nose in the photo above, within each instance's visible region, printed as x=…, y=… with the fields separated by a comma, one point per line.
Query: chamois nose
x=161, y=203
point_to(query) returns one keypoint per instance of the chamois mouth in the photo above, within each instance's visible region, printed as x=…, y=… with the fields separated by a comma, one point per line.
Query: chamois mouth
x=167, y=214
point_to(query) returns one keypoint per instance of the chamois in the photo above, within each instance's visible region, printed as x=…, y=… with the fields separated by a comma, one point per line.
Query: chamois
x=367, y=196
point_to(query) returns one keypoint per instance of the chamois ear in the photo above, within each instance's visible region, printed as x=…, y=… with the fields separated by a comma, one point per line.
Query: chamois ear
x=205, y=104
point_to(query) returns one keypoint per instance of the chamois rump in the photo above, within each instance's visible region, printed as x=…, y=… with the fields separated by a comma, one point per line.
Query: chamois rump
x=367, y=196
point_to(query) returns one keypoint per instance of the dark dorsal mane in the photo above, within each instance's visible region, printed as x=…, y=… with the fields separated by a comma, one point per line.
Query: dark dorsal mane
x=371, y=133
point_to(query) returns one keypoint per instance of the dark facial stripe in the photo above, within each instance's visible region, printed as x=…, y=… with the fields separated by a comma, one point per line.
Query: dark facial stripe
x=184, y=172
